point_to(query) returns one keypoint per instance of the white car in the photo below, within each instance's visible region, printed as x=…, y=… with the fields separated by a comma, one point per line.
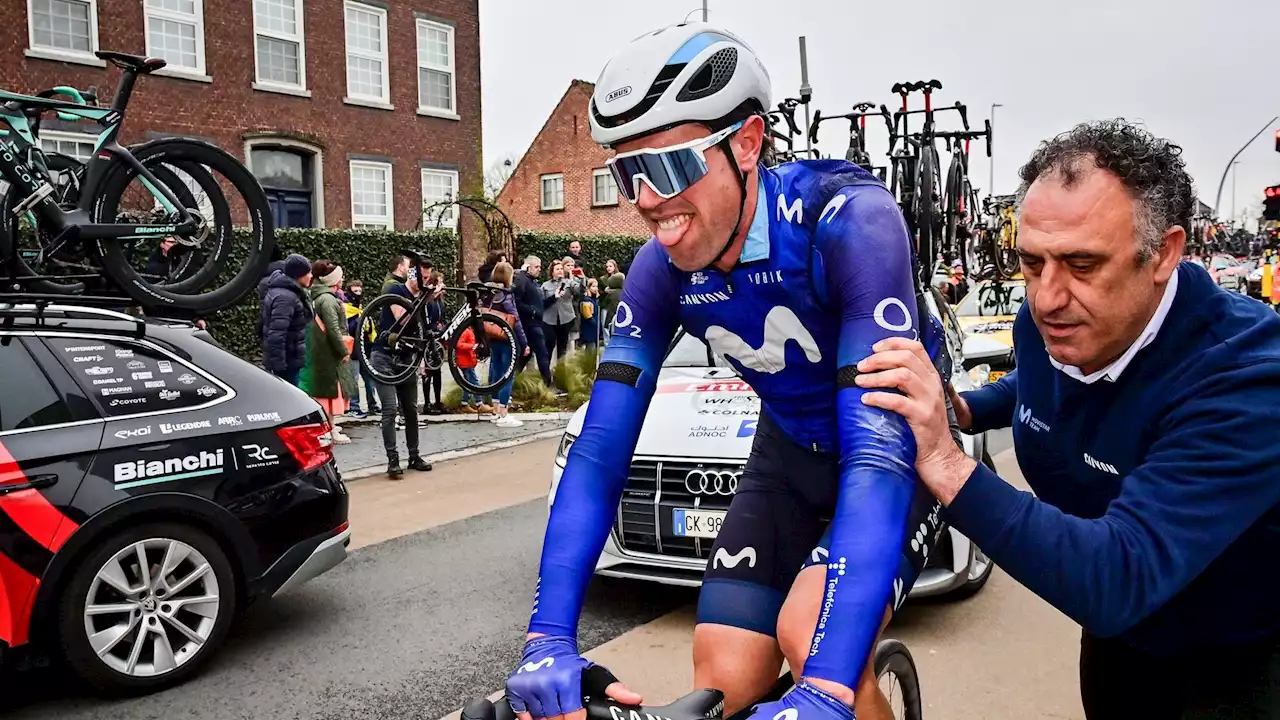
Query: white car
x=700, y=424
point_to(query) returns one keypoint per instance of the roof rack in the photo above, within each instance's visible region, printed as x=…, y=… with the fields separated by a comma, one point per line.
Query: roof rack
x=40, y=307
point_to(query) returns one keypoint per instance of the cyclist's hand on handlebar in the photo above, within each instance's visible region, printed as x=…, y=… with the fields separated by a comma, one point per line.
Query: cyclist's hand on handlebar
x=804, y=702
x=548, y=682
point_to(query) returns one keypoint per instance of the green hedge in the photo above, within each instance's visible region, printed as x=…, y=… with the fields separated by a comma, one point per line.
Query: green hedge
x=595, y=249
x=364, y=254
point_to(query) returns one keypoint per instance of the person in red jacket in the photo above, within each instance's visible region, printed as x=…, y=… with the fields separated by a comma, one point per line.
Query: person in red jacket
x=467, y=361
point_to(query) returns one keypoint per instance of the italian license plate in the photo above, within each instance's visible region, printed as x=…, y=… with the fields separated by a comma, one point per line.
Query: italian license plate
x=996, y=375
x=697, y=523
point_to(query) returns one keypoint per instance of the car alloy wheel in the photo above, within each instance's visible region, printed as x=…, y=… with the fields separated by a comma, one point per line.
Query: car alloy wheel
x=152, y=607
x=979, y=564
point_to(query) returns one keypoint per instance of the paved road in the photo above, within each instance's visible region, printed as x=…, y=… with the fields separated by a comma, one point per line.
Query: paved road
x=366, y=448
x=430, y=608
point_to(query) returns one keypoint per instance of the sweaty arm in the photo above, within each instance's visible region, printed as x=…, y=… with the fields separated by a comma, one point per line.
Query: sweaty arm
x=866, y=264
x=586, y=501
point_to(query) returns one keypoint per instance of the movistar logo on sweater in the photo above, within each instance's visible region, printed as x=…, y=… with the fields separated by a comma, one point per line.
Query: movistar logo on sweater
x=1099, y=465
x=1031, y=421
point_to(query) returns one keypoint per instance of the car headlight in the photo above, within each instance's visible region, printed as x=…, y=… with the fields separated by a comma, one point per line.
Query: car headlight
x=980, y=374
x=562, y=451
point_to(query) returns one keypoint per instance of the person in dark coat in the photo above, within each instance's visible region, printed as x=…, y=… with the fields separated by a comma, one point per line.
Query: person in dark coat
x=286, y=311
x=485, y=271
x=529, y=305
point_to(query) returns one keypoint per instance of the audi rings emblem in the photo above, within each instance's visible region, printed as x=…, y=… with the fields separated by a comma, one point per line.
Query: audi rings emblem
x=709, y=481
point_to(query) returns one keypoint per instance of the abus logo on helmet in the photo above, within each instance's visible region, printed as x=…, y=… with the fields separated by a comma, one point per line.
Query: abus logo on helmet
x=712, y=481
x=619, y=93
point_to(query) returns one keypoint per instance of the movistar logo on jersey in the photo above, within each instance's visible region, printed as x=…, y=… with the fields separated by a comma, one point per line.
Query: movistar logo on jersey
x=780, y=325
x=150, y=472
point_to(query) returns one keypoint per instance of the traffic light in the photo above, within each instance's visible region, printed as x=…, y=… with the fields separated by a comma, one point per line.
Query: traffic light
x=1271, y=203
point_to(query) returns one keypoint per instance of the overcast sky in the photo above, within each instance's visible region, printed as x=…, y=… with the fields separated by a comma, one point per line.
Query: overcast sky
x=1204, y=73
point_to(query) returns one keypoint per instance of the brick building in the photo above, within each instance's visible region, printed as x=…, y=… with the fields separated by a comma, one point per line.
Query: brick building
x=561, y=183
x=349, y=112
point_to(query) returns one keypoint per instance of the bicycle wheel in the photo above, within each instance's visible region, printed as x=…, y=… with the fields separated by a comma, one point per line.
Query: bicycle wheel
x=1004, y=251
x=923, y=211
x=241, y=200
x=898, y=680
x=495, y=357
x=403, y=346
x=951, y=211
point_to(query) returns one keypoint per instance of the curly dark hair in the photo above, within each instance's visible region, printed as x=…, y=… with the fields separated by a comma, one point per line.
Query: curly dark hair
x=1151, y=169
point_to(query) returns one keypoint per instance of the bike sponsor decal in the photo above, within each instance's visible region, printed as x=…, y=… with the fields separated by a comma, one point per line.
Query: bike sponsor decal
x=98, y=370
x=259, y=456
x=747, y=428
x=171, y=428
x=704, y=386
x=87, y=358
x=230, y=421
x=152, y=384
x=149, y=472
x=186, y=378
x=84, y=348
x=730, y=412
x=170, y=394
x=263, y=417
x=142, y=375
x=135, y=365
x=124, y=353
x=703, y=431
x=115, y=402
x=107, y=381
x=123, y=390
x=143, y=431
x=207, y=391
x=164, y=366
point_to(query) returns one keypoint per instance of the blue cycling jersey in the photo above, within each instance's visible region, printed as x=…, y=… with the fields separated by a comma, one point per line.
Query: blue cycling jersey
x=824, y=274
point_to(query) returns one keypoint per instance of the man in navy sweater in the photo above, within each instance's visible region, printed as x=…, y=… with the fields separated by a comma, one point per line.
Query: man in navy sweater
x=1145, y=409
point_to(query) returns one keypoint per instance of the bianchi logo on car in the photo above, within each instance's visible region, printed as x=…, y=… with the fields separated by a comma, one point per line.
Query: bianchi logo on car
x=150, y=472
x=171, y=428
x=170, y=394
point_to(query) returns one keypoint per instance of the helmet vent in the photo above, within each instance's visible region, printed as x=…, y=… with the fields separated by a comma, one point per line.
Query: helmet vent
x=660, y=85
x=712, y=77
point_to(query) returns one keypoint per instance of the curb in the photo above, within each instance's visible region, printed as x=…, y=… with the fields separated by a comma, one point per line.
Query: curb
x=349, y=476
x=459, y=417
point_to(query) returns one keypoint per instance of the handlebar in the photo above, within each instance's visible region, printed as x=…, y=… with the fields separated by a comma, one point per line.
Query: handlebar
x=697, y=705
x=927, y=86
x=857, y=114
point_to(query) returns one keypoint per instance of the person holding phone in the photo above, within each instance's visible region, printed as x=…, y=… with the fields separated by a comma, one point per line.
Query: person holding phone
x=559, y=294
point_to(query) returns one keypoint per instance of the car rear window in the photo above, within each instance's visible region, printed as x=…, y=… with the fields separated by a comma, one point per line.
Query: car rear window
x=127, y=378
x=27, y=398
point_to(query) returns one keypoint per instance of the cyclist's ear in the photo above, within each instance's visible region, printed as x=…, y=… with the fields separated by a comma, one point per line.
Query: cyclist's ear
x=748, y=143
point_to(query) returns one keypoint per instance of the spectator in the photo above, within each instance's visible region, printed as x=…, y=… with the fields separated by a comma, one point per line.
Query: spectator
x=404, y=396
x=262, y=287
x=397, y=271
x=159, y=265
x=486, y=270
x=467, y=361
x=530, y=304
x=500, y=361
x=286, y=311
x=575, y=252
x=558, y=317
x=434, y=378
x=327, y=375
x=355, y=301
x=611, y=292
x=589, y=311
x=572, y=269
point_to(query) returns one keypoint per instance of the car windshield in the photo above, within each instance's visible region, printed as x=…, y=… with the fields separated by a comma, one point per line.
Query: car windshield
x=990, y=299
x=690, y=351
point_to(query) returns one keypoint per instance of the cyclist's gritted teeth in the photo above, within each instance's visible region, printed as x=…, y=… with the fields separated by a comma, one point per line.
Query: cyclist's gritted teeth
x=672, y=228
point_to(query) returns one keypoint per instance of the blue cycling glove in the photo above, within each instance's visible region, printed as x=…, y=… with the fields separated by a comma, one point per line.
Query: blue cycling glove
x=548, y=681
x=803, y=702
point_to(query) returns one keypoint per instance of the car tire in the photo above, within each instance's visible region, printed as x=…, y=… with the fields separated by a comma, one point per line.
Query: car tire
x=166, y=656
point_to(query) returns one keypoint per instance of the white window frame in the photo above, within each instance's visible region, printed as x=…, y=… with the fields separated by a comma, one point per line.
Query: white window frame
x=451, y=68
x=542, y=191
x=300, y=39
x=450, y=222
x=390, y=223
x=75, y=137
x=55, y=53
x=317, y=167
x=595, y=199
x=385, y=57
x=197, y=72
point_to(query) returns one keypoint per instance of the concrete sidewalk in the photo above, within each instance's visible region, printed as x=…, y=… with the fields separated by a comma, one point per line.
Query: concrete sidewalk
x=444, y=437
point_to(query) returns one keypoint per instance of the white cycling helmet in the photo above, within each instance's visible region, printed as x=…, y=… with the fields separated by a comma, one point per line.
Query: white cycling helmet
x=691, y=72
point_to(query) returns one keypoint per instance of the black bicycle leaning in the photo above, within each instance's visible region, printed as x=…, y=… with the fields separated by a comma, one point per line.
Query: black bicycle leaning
x=894, y=668
x=475, y=360
x=97, y=225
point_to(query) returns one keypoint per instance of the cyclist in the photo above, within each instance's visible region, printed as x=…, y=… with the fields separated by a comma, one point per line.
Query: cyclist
x=791, y=273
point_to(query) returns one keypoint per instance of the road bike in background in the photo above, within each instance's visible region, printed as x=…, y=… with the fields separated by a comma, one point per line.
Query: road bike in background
x=110, y=216
x=1004, y=234
x=857, y=151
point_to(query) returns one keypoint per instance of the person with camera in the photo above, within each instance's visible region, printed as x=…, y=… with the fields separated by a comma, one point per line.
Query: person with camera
x=560, y=294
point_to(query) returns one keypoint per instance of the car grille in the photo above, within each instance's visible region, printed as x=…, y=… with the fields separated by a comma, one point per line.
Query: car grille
x=654, y=488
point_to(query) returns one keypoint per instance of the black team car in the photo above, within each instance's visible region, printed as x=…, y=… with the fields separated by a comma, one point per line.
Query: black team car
x=151, y=485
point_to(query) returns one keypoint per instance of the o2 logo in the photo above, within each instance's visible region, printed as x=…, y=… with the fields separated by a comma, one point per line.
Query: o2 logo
x=885, y=322
x=622, y=321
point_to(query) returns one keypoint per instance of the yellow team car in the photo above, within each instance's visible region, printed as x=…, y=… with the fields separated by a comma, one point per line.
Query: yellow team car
x=986, y=315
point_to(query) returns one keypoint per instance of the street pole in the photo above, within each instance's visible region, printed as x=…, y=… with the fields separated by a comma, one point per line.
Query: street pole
x=991, y=161
x=1233, y=194
x=805, y=93
x=704, y=10
x=1217, y=200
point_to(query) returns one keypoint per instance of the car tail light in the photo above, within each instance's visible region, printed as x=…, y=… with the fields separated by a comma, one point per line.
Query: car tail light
x=311, y=445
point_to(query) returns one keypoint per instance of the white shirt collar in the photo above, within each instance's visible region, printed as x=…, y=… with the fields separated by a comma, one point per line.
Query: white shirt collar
x=1117, y=366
